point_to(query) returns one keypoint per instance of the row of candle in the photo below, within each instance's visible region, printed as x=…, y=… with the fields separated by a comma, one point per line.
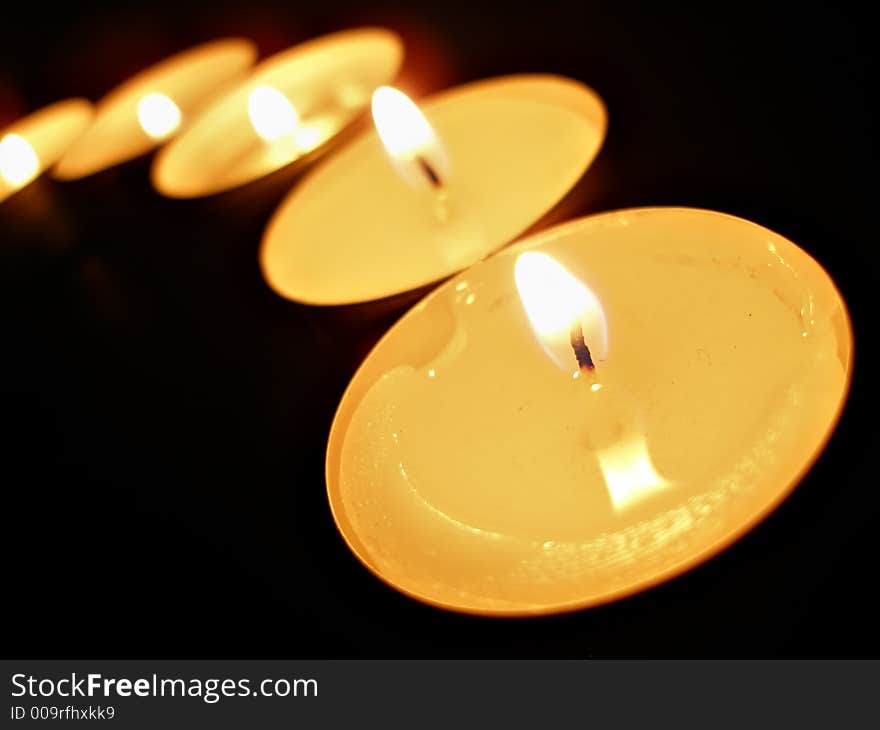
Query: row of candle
x=519, y=144
x=584, y=414
x=199, y=99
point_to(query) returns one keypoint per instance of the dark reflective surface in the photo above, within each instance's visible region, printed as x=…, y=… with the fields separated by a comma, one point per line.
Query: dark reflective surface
x=166, y=414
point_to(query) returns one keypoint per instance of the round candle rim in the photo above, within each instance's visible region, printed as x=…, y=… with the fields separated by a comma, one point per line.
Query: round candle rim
x=307, y=47
x=297, y=55
x=245, y=46
x=723, y=541
x=73, y=107
x=496, y=84
x=120, y=94
x=36, y=117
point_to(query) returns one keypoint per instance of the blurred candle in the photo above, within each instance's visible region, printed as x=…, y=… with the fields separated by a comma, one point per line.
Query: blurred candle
x=483, y=164
x=33, y=144
x=291, y=106
x=152, y=106
x=589, y=412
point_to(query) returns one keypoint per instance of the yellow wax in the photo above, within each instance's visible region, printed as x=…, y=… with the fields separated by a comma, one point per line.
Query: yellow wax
x=293, y=104
x=152, y=106
x=469, y=469
x=355, y=231
x=31, y=145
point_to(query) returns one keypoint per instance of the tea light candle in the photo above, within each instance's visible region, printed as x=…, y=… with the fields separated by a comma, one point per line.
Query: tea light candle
x=292, y=105
x=33, y=144
x=589, y=412
x=153, y=105
x=484, y=163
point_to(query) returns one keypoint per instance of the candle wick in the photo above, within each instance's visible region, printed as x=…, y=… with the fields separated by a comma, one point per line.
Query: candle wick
x=430, y=172
x=581, y=351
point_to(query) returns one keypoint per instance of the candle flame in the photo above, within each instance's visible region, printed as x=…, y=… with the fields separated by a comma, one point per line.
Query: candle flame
x=158, y=115
x=403, y=128
x=409, y=138
x=271, y=113
x=555, y=302
x=18, y=161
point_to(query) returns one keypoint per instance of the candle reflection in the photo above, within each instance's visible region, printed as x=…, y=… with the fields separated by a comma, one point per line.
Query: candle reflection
x=629, y=475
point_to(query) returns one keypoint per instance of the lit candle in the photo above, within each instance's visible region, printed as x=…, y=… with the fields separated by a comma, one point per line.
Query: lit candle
x=33, y=144
x=154, y=105
x=589, y=412
x=485, y=162
x=291, y=106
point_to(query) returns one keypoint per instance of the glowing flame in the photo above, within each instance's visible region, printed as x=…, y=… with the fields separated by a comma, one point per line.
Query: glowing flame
x=18, y=160
x=272, y=115
x=158, y=115
x=403, y=128
x=629, y=475
x=555, y=301
x=409, y=138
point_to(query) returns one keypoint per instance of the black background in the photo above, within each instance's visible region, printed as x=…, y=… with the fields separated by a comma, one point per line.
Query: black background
x=166, y=414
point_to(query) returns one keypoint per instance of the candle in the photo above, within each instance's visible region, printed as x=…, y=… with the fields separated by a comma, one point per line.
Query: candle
x=291, y=106
x=484, y=163
x=589, y=412
x=151, y=107
x=33, y=144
